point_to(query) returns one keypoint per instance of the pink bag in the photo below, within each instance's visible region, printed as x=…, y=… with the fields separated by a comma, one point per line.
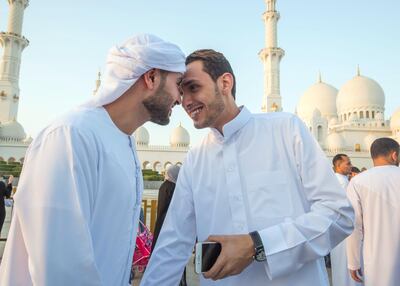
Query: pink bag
x=142, y=252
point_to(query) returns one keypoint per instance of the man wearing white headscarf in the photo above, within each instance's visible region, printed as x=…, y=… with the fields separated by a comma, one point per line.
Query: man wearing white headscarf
x=78, y=201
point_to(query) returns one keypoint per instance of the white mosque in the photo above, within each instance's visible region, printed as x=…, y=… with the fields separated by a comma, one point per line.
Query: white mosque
x=347, y=120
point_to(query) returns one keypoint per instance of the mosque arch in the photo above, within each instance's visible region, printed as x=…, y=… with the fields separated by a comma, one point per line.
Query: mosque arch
x=147, y=165
x=319, y=133
x=11, y=160
x=167, y=165
x=157, y=166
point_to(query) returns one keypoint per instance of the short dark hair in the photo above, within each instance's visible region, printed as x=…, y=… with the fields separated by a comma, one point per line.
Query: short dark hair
x=214, y=63
x=355, y=170
x=337, y=159
x=383, y=147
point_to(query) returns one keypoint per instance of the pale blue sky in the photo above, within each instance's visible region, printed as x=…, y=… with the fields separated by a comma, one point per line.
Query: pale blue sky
x=69, y=41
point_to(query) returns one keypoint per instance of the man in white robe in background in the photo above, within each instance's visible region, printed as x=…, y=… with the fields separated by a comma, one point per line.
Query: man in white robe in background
x=340, y=274
x=375, y=196
x=258, y=183
x=78, y=200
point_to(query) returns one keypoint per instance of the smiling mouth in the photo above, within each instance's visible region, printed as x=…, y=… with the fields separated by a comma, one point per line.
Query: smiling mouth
x=194, y=112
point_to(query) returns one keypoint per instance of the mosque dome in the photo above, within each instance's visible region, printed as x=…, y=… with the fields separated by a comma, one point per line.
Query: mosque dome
x=360, y=93
x=395, y=120
x=142, y=136
x=12, y=130
x=319, y=96
x=179, y=137
x=369, y=139
x=335, y=142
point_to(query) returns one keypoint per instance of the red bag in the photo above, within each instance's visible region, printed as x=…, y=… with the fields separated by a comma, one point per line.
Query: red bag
x=144, y=240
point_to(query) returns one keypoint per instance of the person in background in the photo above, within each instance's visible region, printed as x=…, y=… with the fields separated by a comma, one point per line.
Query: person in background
x=165, y=195
x=354, y=172
x=5, y=192
x=375, y=196
x=340, y=274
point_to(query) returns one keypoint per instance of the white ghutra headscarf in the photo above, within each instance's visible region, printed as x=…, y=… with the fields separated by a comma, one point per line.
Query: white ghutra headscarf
x=128, y=62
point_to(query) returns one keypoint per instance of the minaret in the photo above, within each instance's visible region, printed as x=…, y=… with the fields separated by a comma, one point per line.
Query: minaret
x=271, y=56
x=13, y=43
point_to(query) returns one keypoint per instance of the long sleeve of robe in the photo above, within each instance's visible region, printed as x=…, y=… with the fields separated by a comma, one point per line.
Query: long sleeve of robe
x=340, y=272
x=266, y=173
x=76, y=209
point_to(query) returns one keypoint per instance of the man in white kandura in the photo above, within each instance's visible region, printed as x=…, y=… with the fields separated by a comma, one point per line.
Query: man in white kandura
x=78, y=200
x=258, y=183
x=340, y=274
x=375, y=196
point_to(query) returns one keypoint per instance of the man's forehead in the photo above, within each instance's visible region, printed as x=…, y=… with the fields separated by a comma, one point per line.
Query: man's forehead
x=194, y=71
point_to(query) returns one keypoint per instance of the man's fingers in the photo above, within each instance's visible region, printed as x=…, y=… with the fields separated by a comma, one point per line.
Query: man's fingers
x=354, y=276
x=214, y=238
x=215, y=269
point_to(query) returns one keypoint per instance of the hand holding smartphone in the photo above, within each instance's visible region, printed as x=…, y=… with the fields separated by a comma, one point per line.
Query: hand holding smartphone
x=206, y=254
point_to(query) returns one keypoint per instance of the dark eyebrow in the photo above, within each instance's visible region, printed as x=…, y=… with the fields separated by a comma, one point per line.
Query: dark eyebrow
x=187, y=82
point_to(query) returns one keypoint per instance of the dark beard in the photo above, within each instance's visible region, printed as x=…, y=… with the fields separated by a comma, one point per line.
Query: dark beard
x=158, y=105
x=216, y=108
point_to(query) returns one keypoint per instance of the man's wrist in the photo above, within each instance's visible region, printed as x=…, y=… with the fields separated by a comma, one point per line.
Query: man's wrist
x=259, y=252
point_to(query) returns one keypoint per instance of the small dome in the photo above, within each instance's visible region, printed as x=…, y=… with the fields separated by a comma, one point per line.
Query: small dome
x=359, y=93
x=179, y=137
x=335, y=142
x=369, y=139
x=319, y=96
x=12, y=130
x=395, y=120
x=142, y=136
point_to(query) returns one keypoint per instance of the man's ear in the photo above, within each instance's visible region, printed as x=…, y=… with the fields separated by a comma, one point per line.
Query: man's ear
x=394, y=156
x=149, y=78
x=227, y=83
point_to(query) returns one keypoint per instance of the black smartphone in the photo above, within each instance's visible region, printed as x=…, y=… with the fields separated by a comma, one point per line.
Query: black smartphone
x=206, y=255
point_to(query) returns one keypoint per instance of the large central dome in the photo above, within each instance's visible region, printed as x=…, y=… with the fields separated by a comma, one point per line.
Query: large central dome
x=360, y=93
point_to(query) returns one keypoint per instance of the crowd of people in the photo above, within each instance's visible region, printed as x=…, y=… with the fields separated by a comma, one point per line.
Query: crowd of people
x=258, y=184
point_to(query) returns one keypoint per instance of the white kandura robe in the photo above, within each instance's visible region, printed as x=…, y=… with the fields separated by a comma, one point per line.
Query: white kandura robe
x=375, y=195
x=340, y=272
x=76, y=207
x=266, y=173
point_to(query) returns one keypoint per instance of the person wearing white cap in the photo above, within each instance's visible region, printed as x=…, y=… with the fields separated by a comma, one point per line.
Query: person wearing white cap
x=78, y=201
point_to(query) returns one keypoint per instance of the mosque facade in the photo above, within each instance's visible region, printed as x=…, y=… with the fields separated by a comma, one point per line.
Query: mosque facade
x=345, y=120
